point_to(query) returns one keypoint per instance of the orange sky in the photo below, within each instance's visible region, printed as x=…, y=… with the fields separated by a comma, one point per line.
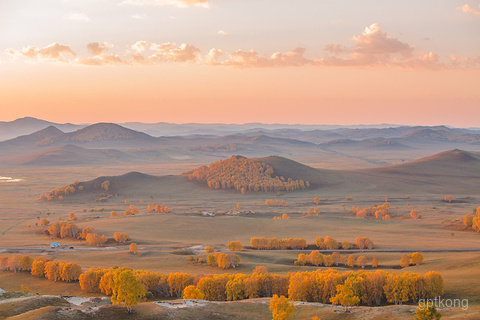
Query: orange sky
x=374, y=76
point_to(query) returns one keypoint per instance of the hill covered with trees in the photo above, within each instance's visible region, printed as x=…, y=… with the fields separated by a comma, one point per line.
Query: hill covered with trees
x=243, y=174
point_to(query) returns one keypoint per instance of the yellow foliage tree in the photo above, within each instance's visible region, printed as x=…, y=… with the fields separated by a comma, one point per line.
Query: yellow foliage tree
x=191, y=292
x=281, y=307
x=133, y=248
x=417, y=258
x=234, y=246
x=405, y=261
x=126, y=289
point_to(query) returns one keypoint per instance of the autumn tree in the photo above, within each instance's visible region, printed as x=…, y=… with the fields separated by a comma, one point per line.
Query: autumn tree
x=38, y=268
x=44, y=222
x=86, y=231
x=427, y=311
x=414, y=214
x=26, y=263
x=448, y=199
x=72, y=216
x=434, y=284
x=14, y=263
x=468, y=220
x=361, y=261
x=126, y=289
x=120, y=237
x=281, y=307
x=360, y=242
x=330, y=243
x=316, y=200
x=133, y=248
x=94, y=239
x=209, y=250
x=51, y=270
x=70, y=272
x=416, y=258
x=351, y=261
x=345, y=294
x=405, y=261
x=114, y=214
x=234, y=246
x=374, y=262
x=191, y=292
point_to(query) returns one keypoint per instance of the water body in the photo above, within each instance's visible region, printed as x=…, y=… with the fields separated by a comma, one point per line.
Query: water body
x=9, y=179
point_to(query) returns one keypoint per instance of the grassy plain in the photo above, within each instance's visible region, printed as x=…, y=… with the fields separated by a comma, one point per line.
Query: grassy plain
x=166, y=240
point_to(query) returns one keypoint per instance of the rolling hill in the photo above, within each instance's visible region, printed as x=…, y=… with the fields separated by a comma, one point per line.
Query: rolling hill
x=27, y=125
x=439, y=174
x=70, y=155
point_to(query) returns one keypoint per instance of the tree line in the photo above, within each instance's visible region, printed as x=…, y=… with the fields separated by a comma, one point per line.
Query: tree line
x=42, y=267
x=127, y=287
x=327, y=243
x=69, y=230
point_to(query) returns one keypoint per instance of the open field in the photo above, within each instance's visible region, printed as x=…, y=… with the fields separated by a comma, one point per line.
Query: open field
x=166, y=241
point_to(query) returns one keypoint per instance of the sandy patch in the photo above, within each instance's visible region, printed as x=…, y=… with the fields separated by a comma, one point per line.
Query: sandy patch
x=181, y=304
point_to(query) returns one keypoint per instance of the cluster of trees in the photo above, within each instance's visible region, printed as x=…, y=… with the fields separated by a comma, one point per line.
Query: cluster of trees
x=315, y=258
x=223, y=260
x=276, y=203
x=159, y=208
x=373, y=212
x=283, y=217
x=277, y=244
x=58, y=193
x=234, y=246
x=331, y=244
x=472, y=221
x=70, y=230
x=244, y=175
x=313, y=211
x=415, y=258
x=120, y=237
x=42, y=267
x=367, y=288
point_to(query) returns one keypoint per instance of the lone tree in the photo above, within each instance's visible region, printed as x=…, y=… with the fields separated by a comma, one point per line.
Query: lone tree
x=281, y=307
x=449, y=199
x=133, y=248
x=427, y=312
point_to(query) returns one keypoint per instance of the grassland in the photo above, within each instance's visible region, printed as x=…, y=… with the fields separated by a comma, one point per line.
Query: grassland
x=165, y=240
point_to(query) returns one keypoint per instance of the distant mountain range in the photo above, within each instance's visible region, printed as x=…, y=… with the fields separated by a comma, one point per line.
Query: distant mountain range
x=50, y=144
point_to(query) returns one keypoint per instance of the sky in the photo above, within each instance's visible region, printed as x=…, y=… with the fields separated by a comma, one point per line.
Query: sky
x=237, y=61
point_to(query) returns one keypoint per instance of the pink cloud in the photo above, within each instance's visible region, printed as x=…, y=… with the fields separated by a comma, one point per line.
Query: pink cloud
x=372, y=48
x=467, y=9
x=53, y=52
